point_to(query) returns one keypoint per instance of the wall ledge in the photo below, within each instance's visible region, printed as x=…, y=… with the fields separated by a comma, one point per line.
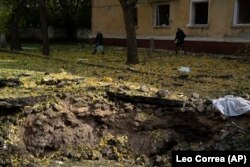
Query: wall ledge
x=245, y=39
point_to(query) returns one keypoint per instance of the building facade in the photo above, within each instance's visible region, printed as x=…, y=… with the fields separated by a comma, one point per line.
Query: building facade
x=211, y=26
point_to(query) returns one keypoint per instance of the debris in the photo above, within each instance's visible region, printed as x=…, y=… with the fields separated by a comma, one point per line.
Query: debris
x=145, y=100
x=185, y=69
x=132, y=69
x=59, y=162
x=195, y=95
x=83, y=59
x=232, y=106
x=163, y=93
x=200, y=107
x=143, y=88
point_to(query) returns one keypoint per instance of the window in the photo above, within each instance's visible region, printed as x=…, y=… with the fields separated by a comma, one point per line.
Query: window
x=162, y=14
x=199, y=12
x=242, y=12
x=136, y=15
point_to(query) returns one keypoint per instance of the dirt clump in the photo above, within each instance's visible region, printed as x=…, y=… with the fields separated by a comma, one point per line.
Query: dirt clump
x=96, y=127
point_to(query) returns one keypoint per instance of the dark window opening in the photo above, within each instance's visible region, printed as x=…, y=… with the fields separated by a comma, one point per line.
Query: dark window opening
x=162, y=15
x=136, y=16
x=201, y=13
x=243, y=12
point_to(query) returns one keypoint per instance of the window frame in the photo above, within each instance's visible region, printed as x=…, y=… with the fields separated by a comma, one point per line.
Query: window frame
x=156, y=13
x=192, y=14
x=236, y=16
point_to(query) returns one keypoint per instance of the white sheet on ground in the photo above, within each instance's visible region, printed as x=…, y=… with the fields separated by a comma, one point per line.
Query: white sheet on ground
x=232, y=106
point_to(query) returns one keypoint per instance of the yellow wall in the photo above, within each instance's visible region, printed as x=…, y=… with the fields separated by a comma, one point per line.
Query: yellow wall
x=108, y=17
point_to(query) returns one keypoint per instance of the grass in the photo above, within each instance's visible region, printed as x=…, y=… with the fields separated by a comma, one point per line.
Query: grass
x=210, y=76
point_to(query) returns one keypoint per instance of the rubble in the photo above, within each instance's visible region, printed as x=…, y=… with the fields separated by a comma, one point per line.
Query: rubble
x=124, y=127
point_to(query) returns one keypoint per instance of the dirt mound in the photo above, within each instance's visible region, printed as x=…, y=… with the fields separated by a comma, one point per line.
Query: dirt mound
x=97, y=127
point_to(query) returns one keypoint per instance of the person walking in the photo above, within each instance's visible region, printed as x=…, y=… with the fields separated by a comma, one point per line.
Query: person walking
x=98, y=43
x=179, y=40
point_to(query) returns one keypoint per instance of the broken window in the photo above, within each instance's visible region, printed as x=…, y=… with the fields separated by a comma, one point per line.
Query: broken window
x=162, y=14
x=243, y=12
x=199, y=13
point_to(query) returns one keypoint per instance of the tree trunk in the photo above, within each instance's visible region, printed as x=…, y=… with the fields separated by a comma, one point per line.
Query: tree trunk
x=128, y=13
x=2, y=41
x=15, y=42
x=44, y=26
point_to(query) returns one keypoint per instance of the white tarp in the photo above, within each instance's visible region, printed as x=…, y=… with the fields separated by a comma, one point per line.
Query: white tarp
x=232, y=106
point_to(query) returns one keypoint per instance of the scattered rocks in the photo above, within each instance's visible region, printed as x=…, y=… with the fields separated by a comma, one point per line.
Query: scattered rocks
x=62, y=84
x=128, y=107
x=196, y=95
x=163, y=93
x=97, y=106
x=109, y=153
x=142, y=160
x=143, y=88
x=47, y=80
x=124, y=88
x=27, y=110
x=56, y=107
x=73, y=154
x=200, y=107
x=59, y=162
x=60, y=81
x=38, y=122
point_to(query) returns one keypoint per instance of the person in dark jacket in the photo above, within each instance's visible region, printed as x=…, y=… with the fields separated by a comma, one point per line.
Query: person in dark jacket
x=98, y=43
x=179, y=40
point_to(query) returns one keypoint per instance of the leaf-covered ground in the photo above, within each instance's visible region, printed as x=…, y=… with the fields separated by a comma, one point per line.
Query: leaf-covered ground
x=73, y=70
x=211, y=76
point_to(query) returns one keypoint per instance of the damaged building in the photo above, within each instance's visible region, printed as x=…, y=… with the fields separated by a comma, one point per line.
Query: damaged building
x=211, y=26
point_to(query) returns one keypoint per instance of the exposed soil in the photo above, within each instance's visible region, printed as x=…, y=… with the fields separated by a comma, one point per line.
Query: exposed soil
x=76, y=109
x=98, y=128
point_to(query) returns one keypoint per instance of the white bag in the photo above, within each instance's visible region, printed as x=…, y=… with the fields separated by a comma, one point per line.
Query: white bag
x=232, y=106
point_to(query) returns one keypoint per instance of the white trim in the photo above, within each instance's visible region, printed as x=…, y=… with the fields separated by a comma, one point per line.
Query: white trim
x=236, y=15
x=247, y=25
x=236, y=12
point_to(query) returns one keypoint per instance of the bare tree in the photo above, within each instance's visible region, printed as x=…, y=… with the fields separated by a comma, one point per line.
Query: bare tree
x=44, y=26
x=129, y=15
